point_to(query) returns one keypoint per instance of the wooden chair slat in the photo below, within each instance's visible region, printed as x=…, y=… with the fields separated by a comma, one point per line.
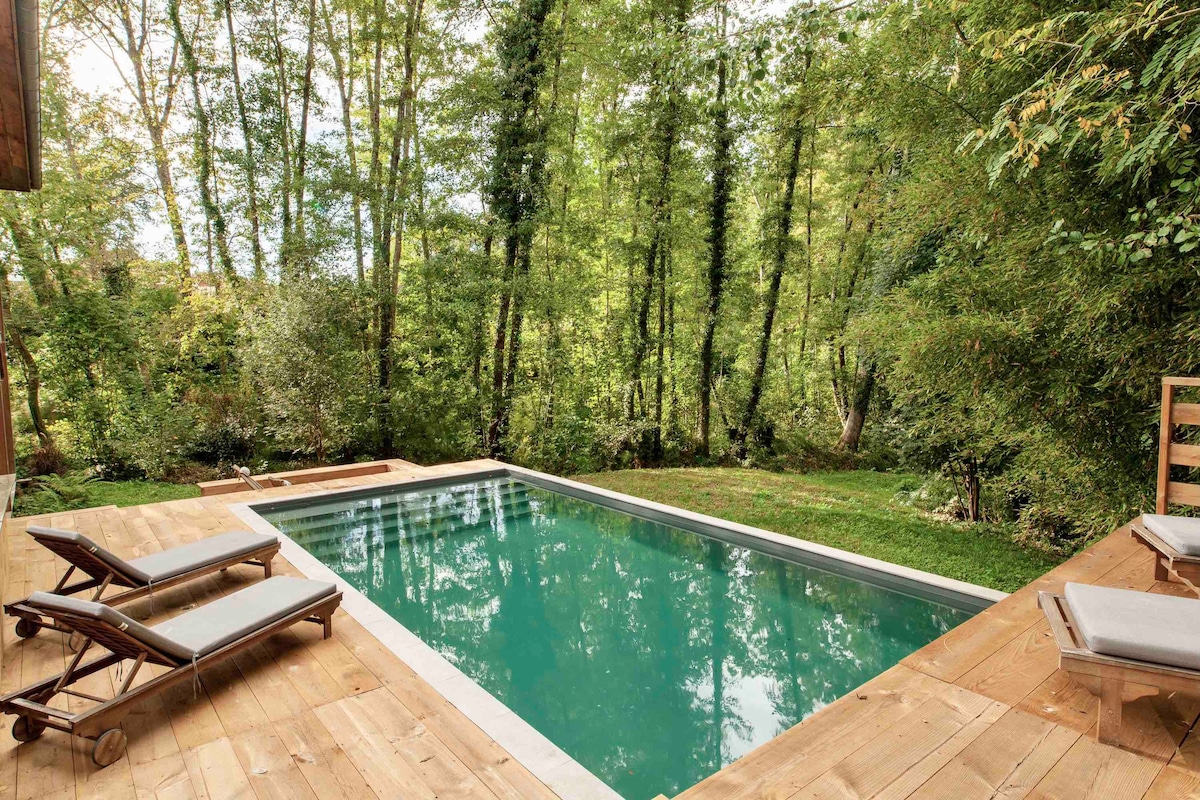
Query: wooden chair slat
x=1184, y=455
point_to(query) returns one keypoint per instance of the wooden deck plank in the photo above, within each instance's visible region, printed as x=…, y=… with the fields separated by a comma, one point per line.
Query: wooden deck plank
x=1007, y=760
x=266, y=761
x=216, y=772
x=824, y=739
x=903, y=757
x=438, y=767
x=1093, y=771
x=325, y=766
x=388, y=774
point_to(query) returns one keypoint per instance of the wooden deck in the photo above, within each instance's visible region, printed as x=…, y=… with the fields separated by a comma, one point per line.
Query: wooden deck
x=297, y=717
x=982, y=712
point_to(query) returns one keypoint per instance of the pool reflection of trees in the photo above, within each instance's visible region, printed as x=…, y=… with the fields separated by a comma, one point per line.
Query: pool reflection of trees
x=652, y=655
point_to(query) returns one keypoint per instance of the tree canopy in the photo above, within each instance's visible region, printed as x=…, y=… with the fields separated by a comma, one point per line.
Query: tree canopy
x=960, y=235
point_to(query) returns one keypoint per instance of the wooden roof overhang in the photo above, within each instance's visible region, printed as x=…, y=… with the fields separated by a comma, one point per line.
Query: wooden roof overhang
x=20, y=123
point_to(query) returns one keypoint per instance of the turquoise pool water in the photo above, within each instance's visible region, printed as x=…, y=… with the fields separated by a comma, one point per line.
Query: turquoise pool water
x=652, y=655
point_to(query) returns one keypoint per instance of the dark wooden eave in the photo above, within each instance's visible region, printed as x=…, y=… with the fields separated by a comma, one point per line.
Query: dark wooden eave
x=20, y=123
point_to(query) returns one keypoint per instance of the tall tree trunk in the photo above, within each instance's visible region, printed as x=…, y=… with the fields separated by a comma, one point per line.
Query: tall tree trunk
x=856, y=413
x=392, y=214
x=667, y=130
x=155, y=111
x=808, y=238
x=285, y=146
x=300, y=235
x=656, y=446
x=34, y=269
x=248, y=165
x=202, y=146
x=343, y=75
x=781, y=244
x=718, y=230
x=516, y=190
x=33, y=385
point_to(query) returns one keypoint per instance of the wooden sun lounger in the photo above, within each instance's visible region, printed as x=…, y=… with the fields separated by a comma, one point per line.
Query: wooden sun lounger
x=1113, y=679
x=105, y=569
x=166, y=644
x=1167, y=560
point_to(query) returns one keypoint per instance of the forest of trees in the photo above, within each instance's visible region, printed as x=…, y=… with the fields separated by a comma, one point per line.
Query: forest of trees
x=955, y=236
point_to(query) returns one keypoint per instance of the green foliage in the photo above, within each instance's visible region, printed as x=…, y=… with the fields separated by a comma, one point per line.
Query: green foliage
x=50, y=493
x=554, y=231
x=307, y=368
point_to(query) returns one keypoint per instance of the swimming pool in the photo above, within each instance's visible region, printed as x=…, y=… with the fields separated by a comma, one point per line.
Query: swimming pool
x=651, y=654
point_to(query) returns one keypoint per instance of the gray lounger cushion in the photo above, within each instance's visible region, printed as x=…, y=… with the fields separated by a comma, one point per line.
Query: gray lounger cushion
x=169, y=563
x=1182, y=533
x=1156, y=628
x=215, y=625
x=207, y=628
x=108, y=614
x=178, y=560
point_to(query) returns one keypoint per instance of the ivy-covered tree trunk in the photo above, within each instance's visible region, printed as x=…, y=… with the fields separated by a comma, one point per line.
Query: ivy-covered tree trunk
x=202, y=146
x=32, y=266
x=249, y=167
x=780, y=240
x=666, y=138
x=516, y=189
x=722, y=189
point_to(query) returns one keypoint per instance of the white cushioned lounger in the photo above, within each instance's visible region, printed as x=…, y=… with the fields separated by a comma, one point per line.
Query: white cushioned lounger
x=138, y=576
x=202, y=630
x=167, y=564
x=1182, y=533
x=1157, y=628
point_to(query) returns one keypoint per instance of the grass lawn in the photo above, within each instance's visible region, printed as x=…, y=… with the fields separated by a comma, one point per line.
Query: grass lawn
x=136, y=493
x=854, y=511
x=103, y=493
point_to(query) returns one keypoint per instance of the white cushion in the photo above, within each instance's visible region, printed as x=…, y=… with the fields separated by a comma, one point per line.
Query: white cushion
x=200, y=553
x=204, y=629
x=1182, y=533
x=1156, y=628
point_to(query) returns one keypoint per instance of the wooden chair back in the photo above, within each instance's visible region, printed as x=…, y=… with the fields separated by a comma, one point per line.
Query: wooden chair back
x=1173, y=453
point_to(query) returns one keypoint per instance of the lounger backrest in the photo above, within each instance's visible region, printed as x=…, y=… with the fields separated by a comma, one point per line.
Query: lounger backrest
x=1177, y=448
x=110, y=628
x=82, y=553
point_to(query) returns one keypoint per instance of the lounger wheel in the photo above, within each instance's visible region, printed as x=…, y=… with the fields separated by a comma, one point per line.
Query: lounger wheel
x=26, y=729
x=75, y=641
x=27, y=628
x=109, y=747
